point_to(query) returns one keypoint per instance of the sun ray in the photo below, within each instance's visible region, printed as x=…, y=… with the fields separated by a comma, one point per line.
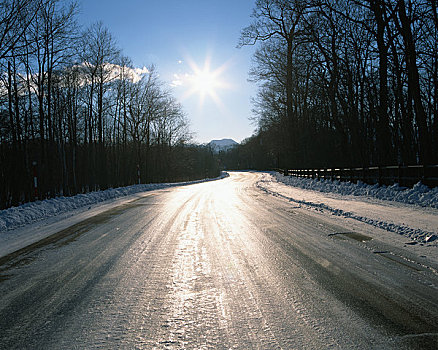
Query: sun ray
x=205, y=81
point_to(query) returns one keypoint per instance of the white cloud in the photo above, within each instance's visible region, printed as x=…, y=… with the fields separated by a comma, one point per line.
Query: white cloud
x=141, y=71
x=176, y=83
x=134, y=74
x=115, y=72
x=181, y=79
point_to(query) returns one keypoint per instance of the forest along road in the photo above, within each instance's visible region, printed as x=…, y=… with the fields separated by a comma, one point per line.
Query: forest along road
x=215, y=265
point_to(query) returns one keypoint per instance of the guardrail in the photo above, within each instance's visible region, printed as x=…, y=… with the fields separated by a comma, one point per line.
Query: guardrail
x=404, y=175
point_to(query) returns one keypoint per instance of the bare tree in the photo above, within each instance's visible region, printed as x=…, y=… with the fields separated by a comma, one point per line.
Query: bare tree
x=15, y=18
x=76, y=113
x=279, y=19
x=98, y=54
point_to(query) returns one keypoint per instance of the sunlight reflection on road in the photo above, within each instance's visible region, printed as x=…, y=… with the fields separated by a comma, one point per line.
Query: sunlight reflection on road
x=216, y=265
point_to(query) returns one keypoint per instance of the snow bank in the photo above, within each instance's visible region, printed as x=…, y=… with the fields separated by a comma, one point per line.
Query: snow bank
x=411, y=212
x=420, y=194
x=28, y=213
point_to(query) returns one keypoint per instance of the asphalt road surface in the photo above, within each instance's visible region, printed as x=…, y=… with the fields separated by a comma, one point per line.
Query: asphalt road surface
x=216, y=265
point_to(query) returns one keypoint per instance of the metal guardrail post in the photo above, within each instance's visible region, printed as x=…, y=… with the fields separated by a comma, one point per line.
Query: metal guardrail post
x=399, y=174
x=35, y=180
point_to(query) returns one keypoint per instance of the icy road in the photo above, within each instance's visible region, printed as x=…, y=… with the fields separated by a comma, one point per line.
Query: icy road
x=217, y=265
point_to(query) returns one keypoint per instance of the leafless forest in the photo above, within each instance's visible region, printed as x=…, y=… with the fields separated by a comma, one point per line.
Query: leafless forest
x=343, y=83
x=76, y=115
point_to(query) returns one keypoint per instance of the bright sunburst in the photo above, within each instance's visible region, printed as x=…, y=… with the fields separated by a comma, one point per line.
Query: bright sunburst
x=205, y=82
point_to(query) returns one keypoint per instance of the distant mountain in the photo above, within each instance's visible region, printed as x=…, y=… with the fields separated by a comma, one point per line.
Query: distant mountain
x=222, y=145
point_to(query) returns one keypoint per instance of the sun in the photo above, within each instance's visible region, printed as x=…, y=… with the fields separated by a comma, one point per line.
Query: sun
x=205, y=81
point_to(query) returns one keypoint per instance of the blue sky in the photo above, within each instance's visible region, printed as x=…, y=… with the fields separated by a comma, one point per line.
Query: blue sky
x=178, y=36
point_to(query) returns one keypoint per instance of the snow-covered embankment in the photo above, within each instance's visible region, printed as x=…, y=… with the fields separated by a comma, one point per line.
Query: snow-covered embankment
x=411, y=212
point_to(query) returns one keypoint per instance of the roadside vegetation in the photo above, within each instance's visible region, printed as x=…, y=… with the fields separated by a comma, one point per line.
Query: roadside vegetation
x=77, y=116
x=349, y=83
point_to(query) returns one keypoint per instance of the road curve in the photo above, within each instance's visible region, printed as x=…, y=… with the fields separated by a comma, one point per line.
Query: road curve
x=216, y=265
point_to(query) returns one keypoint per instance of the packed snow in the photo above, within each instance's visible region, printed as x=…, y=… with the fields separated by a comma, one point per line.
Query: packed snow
x=35, y=211
x=420, y=194
x=411, y=212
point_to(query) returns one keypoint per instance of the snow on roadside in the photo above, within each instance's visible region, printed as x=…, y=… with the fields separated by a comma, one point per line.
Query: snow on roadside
x=32, y=212
x=412, y=212
x=419, y=194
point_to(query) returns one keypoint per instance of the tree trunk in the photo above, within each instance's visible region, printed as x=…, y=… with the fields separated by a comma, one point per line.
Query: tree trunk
x=414, y=84
x=383, y=132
